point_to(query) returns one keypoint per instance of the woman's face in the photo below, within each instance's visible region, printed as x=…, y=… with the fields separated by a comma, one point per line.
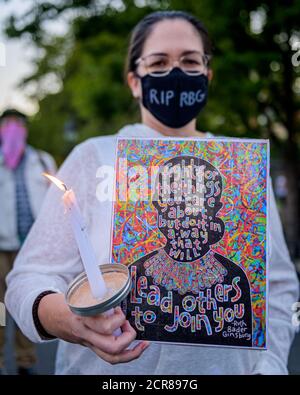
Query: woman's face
x=171, y=37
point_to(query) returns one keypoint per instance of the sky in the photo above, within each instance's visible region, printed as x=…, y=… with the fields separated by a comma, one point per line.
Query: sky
x=14, y=63
x=18, y=55
x=19, y=52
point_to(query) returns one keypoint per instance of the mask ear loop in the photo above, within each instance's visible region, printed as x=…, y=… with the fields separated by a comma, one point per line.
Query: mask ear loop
x=136, y=74
x=139, y=99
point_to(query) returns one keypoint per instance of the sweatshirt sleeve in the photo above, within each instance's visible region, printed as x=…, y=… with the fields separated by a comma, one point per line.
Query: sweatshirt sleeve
x=49, y=259
x=283, y=293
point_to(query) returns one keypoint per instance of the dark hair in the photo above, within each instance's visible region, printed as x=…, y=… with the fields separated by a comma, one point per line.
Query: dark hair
x=11, y=112
x=144, y=27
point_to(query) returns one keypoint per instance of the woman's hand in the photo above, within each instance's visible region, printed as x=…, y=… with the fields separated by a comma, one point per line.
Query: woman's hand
x=93, y=332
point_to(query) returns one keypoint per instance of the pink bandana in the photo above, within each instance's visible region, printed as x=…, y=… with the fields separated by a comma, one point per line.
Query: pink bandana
x=13, y=136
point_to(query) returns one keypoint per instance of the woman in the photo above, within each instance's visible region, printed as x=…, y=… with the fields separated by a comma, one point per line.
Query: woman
x=169, y=55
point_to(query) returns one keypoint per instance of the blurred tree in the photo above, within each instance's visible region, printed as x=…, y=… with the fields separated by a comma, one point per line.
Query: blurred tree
x=255, y=91
x=256, y=86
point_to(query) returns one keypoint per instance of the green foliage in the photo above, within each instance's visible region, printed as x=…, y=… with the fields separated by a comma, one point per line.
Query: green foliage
x=252, y=92
x=255, y=92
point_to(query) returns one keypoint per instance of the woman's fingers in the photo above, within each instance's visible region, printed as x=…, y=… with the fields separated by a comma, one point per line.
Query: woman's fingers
x=109, y=343
x=126, y=327
x=124, y=356
x=126, y=338
x=97, y=334
x=105, y=325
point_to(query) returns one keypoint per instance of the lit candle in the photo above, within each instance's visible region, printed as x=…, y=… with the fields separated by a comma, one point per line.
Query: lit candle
x=88, y=257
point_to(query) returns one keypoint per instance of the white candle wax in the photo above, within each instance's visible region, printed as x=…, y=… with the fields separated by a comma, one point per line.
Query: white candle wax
x=88, y=257
x=94, y=275
x=118, y=331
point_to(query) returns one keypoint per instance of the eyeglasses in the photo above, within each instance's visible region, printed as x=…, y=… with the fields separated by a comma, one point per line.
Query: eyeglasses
x=160, y=65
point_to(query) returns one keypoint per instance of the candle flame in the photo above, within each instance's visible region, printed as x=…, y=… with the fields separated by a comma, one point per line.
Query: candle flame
x=56, y=181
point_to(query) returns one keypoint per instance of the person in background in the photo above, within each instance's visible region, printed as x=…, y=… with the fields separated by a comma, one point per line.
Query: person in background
x=22, y=190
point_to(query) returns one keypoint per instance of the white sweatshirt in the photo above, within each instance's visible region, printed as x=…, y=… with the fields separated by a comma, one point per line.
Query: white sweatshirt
x=49, y=260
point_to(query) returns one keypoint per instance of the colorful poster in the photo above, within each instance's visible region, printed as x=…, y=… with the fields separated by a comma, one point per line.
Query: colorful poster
x=190, y=222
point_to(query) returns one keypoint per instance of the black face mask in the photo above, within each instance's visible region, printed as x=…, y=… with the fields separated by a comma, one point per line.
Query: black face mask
x=176, y=98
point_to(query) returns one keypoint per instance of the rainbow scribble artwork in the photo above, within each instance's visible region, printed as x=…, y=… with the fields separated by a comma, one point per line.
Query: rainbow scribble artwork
x=190, y=222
